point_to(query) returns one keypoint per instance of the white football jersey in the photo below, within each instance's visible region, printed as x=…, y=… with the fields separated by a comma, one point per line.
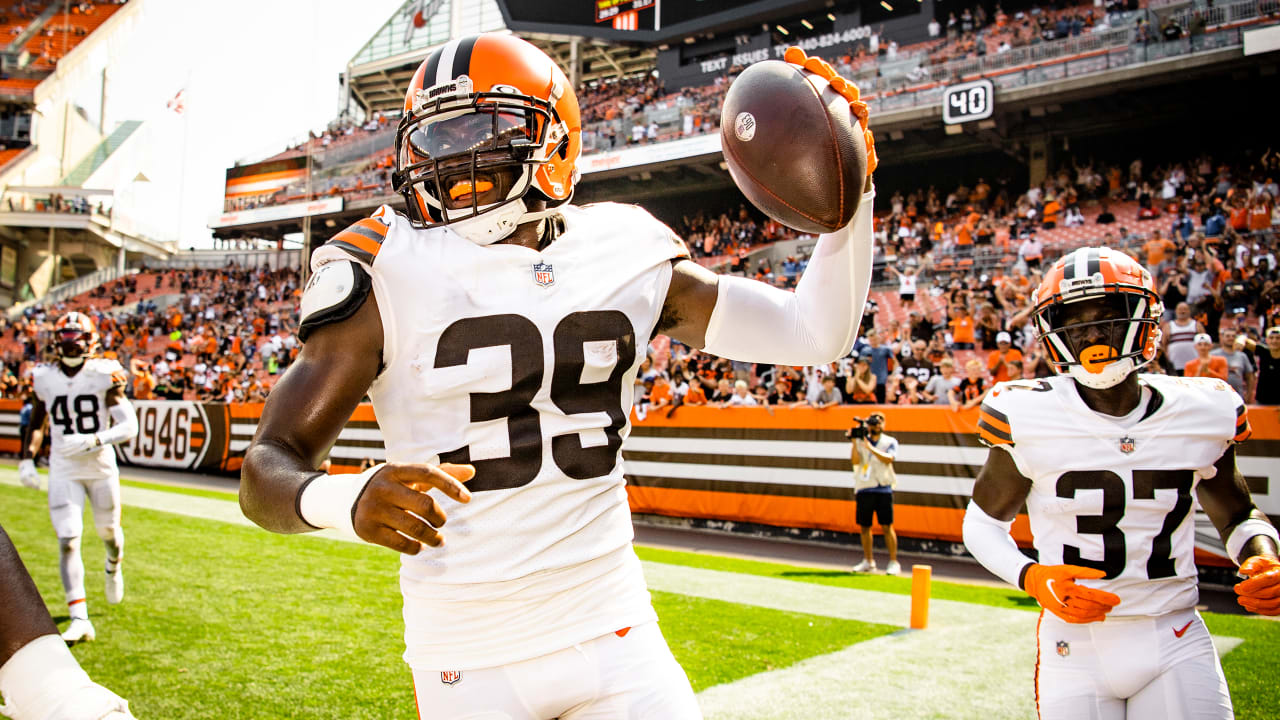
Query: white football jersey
x=1112, y=495
x=522, y=363
x=78, y=405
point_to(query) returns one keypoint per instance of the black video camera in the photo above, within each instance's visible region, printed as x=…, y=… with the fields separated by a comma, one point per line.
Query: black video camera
x=858, y=431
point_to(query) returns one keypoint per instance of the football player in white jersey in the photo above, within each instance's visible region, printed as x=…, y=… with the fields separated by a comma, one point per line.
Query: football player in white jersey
x=39, y=677
x=83, y=398
x=1109, y=462
x=498, y=331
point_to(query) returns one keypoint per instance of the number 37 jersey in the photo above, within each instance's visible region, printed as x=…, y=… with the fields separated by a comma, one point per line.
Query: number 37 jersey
x=1116, y=495
x=77, y=405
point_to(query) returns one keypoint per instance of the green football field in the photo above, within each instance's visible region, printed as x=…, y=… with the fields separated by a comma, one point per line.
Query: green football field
x=224, y=620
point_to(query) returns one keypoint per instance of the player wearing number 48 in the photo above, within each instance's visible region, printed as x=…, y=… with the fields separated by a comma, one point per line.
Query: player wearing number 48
x=498, y=331
x=82, y=396
x=1107, y=461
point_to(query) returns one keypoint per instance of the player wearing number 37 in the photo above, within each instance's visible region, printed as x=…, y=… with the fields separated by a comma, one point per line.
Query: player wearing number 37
x=498, y=330
x=81, y=395
x=1109, y=462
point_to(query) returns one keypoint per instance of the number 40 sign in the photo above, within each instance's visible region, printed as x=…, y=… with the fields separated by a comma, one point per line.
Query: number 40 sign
x=967, y=102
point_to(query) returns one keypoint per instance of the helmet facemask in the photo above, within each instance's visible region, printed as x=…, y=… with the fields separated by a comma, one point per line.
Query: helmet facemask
x=467, y=160
x=1130, y=332
x=74, y=346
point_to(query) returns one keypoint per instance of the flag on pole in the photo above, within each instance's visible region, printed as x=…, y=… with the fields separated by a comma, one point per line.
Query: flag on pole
x=177, y=103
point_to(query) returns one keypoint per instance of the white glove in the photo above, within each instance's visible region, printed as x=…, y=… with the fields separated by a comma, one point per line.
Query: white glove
x=91, y=702
x=27, y=474
x=76, y=444
x=43, y=681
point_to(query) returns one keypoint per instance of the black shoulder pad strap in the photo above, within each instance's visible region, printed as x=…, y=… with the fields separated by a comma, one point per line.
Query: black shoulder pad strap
x=333, y=293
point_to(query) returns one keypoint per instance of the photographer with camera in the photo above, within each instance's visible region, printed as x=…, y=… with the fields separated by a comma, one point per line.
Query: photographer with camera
x=873, y=480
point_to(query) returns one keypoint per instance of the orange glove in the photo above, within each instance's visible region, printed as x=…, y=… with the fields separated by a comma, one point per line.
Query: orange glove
x=820, y=67
x=1261, y=592
x=1055, y=588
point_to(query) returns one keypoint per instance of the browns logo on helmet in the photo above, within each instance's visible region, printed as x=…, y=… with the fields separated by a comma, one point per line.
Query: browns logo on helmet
x=1132, y=331
x=76, y=338
x=491, y=131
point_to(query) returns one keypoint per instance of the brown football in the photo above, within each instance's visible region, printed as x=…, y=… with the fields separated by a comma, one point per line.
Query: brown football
x=793, y=147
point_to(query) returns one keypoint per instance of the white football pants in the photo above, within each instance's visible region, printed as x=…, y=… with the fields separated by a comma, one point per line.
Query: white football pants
x=632, y=676
x=66, y=511
x=1130, y=668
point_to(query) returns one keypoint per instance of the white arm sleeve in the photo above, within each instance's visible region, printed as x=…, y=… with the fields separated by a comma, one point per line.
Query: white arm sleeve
x=753, y=322
x=125, y=427
x=990, y=543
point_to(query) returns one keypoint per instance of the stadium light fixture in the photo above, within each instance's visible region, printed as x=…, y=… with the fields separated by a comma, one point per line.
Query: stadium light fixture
x=806, y=24
x=831, y=17
x=886, y=6
x=782, y=30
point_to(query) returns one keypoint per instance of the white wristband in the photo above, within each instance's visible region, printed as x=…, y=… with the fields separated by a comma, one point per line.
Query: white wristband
x=1246, y=531
x=988, y=540
x=329, y=501
x=43, y=676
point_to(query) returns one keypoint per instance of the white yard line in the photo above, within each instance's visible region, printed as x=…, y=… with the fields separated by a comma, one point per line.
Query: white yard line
x=973, y=661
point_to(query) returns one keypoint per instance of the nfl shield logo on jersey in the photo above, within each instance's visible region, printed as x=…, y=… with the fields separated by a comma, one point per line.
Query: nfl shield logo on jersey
x=1064, y=648
x=1126, y=445
x=543, y=275
x=449, y=677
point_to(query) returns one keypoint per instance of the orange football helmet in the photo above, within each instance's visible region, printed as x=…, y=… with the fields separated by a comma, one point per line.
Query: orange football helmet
x=484, y=112
x=76, y=338
x=1132, y=330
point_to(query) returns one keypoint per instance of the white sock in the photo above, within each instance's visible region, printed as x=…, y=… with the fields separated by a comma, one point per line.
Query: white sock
x=72, y=569
x=78, y=609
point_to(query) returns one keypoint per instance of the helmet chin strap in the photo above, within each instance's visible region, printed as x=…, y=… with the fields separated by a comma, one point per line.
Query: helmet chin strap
x=496, y=225
x=76, y=361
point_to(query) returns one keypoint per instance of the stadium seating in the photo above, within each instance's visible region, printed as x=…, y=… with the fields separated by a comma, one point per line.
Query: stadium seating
x=64, y=31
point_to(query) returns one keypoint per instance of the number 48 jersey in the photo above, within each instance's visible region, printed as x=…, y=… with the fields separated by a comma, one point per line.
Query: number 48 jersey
x=522, y=363
x=77, y=405
x=1116, y=495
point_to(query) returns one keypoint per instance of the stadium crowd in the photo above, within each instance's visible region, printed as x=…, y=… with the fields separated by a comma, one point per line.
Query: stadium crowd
x=1205, y=229
x=965, y=262
x=222, y=335
x=639, y=110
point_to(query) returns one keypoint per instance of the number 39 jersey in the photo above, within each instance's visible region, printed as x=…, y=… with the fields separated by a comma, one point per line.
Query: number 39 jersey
x=522, y=363
x=77, y=405
x=1112, y=495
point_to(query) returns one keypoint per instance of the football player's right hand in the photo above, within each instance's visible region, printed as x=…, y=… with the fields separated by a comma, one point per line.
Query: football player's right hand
x=1056, y=589
x=816, y=65
x=396, y=511
x=27, y=474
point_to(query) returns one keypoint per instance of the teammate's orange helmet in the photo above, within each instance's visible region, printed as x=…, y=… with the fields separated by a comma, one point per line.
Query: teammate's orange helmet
x=1133, y=332
x=76, y=337
x=484, y=111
